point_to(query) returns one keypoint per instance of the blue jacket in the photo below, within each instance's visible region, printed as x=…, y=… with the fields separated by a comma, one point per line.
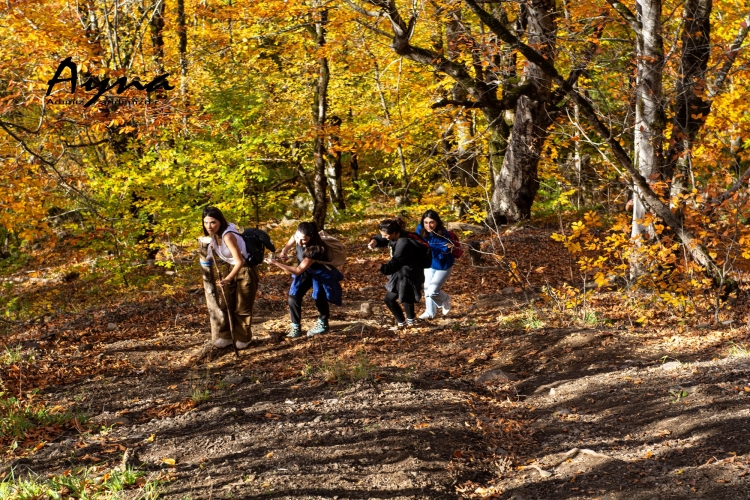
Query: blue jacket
x=442, y=255
x=327, y=280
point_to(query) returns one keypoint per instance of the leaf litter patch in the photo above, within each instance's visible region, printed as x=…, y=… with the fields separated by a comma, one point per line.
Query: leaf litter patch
x=484, y=403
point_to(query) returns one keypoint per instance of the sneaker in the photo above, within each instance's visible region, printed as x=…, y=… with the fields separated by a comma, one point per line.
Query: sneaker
x=446, y=305
x=424, y=316
x=411, y=322
x=294, y=332
x=222, y=343
x=243, y=345
x=318, y=328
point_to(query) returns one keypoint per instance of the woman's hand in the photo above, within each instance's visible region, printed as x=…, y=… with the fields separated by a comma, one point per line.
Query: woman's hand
x=372, y=244
x=271, y=260
x=225, y=281
x=283, y=255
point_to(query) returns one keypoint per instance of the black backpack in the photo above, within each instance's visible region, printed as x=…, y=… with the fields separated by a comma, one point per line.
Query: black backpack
x=423, y=250
x=256, y=242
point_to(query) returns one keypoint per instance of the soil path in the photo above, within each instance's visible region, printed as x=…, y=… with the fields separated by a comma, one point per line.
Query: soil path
x=466, y=406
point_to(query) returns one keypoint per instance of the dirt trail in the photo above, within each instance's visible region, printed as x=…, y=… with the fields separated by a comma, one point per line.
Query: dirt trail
x=269, y=424
x=465, y=406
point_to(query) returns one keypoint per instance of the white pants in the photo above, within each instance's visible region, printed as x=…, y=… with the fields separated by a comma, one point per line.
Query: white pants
x=434, y=279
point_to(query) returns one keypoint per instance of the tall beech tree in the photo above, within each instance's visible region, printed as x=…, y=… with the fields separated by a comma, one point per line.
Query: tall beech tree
x=319, y=116
x=690, y=105
x=515, y=140
x=649, y=197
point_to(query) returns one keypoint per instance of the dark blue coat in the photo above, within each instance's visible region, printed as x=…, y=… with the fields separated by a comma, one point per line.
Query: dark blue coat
x=442, y=254
x=325, y=278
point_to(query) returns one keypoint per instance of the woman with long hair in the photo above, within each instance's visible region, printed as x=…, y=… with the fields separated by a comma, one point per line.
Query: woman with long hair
x=404, y=270
x=324, y=280
x=240, y=281
x=432, y=230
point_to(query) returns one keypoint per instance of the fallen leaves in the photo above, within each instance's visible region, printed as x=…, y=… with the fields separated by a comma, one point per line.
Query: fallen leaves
x=170, y=410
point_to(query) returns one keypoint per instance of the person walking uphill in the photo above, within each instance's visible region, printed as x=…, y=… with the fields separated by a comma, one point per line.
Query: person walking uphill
x=404, y=270
x=325, y=280
x=240, y=281
x=432, y=230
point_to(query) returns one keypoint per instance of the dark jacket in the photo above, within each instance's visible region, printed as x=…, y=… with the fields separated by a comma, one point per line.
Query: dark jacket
x=442, y=254
x=325, y=279
x=404, y=271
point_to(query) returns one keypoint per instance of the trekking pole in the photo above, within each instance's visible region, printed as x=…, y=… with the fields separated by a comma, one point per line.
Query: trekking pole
x=229, y=313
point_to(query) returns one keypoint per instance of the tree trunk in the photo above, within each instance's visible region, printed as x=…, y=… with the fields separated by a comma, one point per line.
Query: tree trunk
x=399, y=149
x=320, y=109
x=354, y=165
x=649, y=112
x=156, y=28
x=182, y=47
x=516, y=183
x=334, y=167
x=691, y=108
x=650, y=198
x=216, y=314
x=463, y=165
x=514, y=167
x=333, y=173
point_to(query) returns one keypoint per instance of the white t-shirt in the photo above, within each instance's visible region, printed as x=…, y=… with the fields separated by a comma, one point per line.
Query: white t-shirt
x=222, y=250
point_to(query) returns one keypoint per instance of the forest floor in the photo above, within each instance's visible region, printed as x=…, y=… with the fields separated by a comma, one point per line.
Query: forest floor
x=498, y=399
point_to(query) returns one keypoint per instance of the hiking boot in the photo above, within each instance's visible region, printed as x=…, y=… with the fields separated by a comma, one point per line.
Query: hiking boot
x=295, y=332
x=243, y=345
x=446, y=305
x=319, y=327
x=222, y=343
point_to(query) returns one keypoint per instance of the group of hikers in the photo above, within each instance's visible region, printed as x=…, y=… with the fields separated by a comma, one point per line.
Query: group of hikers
x=420, y=261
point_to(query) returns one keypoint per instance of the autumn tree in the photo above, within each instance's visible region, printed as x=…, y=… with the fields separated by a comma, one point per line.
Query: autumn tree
x=518, y=111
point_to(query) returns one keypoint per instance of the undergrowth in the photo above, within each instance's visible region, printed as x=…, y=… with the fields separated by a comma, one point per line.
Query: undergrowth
x=336, y=368
x=25, y=422
x=83, y=483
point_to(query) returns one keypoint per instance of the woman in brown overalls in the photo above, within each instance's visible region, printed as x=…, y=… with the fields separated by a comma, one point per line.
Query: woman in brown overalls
x=240, y=281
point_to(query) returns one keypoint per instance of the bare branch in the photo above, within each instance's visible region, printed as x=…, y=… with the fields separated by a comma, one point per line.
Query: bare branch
x=86, y=145
x=374, y=29
x=362, y=10
x=626, y=14
x=731, y=56
x=508, y=102
x=53, y=166
x=729, y=192
x=583, y=63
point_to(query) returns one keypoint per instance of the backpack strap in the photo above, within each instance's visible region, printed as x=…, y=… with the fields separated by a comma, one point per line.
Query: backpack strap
x=246, y=257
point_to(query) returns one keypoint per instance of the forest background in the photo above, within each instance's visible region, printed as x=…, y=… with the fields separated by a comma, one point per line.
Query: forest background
x=620, y=129
x=498, y=112
x=490, y=110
